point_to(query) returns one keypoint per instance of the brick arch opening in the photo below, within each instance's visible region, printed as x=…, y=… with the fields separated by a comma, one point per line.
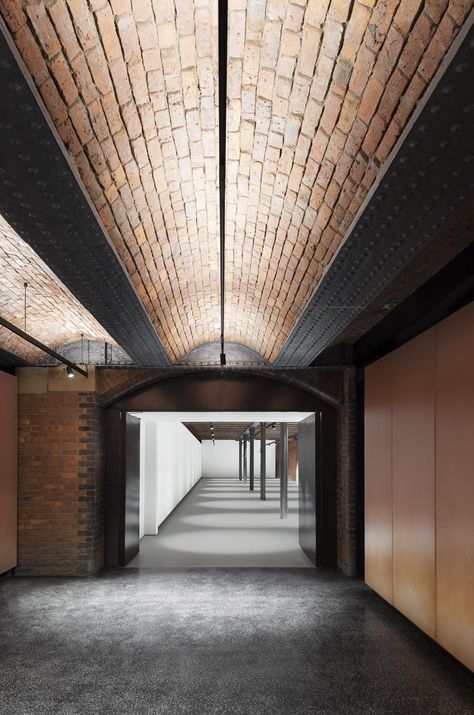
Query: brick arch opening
x=217, y=390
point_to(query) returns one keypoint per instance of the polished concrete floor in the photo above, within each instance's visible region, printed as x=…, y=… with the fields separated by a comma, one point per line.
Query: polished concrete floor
x=221, y=523
x=217, y=641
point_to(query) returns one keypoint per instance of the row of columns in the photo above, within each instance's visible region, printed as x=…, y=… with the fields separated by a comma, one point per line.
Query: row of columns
x=247, y=463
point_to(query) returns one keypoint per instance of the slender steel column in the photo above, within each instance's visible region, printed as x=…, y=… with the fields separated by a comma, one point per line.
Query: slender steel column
x=252, y=457
x=240, y=460
x=283, y=470
x=263, y=461
x=245, y=459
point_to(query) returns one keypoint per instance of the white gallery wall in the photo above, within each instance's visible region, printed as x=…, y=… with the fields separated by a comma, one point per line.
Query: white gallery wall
x=170, y=465
x=222, y=459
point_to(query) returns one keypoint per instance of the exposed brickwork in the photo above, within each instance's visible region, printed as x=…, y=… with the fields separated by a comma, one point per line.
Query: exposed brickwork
x=60, y=483
x=132, y=90
x=318, y=92
x=54, y=316
x=292, y=459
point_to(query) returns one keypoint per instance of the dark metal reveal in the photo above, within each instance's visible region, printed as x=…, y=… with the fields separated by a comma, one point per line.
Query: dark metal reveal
x=42, y=199
x=222, y=155
x=30, y=339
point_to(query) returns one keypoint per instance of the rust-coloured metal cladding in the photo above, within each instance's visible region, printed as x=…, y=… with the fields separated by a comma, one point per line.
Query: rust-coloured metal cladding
x=455, y=485
x=413, y=466
x=378, y=478
x=8, y=472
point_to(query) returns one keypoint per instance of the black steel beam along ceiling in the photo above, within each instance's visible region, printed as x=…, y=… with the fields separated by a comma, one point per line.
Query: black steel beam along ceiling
x=222, y=156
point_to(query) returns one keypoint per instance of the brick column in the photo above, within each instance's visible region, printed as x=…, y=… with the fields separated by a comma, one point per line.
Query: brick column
x=60, y=473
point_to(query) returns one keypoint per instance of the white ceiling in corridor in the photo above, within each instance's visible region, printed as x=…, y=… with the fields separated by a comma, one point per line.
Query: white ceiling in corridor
x=222, y=416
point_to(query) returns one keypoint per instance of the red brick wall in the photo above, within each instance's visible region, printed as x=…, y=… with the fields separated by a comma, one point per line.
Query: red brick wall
x=292, y=459
x=60, y=483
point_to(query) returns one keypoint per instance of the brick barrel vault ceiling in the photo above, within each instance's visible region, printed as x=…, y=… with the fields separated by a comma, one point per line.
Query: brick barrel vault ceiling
x=318, y=93
x=132, y=90
x=54, y=316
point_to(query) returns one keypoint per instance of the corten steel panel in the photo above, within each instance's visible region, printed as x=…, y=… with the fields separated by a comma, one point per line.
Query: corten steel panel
x=8, y=472
x=455, y=485
x=413, y=475
x=378, y=478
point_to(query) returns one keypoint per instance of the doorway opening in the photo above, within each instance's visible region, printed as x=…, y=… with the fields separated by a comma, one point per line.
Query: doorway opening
x=217, y=400
x=219, y=490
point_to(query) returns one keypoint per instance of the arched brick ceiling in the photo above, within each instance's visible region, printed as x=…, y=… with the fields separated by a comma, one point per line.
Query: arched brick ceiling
x=54, y=316
x=318, y=93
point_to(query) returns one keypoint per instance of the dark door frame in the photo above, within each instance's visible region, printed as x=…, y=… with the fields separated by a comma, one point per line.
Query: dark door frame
x=211, y=391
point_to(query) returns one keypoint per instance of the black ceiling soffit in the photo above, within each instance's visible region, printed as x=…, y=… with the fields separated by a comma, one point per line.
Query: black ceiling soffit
x=442, y=295
x=9, y=361
x=446, y=292
x=41, y=199
x=429, y=184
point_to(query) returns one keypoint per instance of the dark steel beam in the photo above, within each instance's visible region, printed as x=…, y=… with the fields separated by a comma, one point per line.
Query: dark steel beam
x=263, y=461
x=222, y=34
x=252, y=458
x=30, y=339
x=283, y=470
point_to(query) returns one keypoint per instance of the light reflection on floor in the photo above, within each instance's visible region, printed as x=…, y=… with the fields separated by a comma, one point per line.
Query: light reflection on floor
x=221, y=523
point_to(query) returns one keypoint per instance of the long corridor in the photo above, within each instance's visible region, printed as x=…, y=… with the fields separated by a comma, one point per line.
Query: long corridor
x=221, y=523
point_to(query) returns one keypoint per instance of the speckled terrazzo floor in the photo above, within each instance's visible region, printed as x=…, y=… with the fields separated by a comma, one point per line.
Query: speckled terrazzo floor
x=221, y=641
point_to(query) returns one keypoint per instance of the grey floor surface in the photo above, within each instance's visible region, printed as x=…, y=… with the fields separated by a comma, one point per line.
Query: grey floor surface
x=221, y=641
x=221, y=523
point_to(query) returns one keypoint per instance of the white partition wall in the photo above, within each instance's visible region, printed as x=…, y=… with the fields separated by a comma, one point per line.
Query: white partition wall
x=170, y=465
x=222, y=459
